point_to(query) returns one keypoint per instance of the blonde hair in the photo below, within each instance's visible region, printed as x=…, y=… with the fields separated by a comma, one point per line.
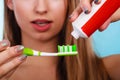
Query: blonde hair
x=85, y=66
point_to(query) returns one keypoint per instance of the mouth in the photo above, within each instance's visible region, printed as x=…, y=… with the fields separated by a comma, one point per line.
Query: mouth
x=42, y=25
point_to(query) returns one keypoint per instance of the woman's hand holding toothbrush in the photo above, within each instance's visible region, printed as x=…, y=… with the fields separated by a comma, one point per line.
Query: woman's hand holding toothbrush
x=10, y=58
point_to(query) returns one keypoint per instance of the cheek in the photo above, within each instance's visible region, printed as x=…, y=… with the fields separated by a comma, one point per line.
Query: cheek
x=59, y=7
x=59, y=22
x=21, y=10
x=21, y=20
x=22, y=15
x=59, y=14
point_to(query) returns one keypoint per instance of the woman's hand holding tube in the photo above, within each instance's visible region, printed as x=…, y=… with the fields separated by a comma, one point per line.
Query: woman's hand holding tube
x=10, y=58
x=85, y=6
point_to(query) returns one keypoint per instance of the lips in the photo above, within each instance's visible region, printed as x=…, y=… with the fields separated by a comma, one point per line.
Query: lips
x=41, y=24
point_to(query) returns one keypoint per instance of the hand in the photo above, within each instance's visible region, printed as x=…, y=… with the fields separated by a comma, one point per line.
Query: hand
x=85, y=6
x=10, y=58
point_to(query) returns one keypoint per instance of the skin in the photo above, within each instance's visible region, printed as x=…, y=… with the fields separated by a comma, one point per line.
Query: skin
x=46, y=64
x=112, y=64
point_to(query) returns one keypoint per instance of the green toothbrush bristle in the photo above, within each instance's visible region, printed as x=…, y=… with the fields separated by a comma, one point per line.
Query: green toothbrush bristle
x=68, y=48
x=74, y=48
x=58, y=48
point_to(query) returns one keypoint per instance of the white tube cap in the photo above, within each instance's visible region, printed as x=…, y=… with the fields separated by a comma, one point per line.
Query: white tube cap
x=75, y=34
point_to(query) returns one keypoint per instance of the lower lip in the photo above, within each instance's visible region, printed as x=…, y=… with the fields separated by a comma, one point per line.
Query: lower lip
x=42, y=28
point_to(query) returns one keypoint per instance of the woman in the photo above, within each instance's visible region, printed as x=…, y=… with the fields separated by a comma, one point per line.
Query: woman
x=42, y=25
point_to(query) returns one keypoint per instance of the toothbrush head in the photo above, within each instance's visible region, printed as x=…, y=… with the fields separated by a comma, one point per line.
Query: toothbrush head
x=67, y=50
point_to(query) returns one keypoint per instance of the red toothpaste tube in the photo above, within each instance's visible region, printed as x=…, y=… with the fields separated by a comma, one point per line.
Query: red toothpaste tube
x=86, y=24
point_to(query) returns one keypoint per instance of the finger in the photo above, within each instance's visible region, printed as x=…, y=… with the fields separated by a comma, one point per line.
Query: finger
x=4, y=44
x=9, y=74
x=4, y=69
x=10, y=52
x=105, y=25
x=84, y=5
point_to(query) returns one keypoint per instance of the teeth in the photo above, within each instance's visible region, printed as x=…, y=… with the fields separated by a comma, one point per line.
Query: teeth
x=40, y=22
x=43, y=24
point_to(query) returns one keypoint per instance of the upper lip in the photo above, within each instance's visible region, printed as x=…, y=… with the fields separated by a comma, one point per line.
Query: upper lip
x=42, y=21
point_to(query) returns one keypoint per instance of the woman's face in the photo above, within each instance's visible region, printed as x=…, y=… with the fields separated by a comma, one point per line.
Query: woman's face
x=39, y=19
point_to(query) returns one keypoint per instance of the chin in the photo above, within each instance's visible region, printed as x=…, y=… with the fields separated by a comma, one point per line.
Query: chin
x=46, y=38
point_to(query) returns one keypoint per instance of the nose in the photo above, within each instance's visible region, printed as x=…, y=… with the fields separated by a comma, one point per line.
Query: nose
x=41, y=7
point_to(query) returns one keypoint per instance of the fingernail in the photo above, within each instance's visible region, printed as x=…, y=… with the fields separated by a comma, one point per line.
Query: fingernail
x=96, y=1
x=22, y=57
x=19, y=48
x=86, y=11
x=4, y=43
x=70, y=16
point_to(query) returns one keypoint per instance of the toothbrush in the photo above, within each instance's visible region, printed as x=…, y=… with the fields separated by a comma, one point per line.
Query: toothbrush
x=69, y=50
